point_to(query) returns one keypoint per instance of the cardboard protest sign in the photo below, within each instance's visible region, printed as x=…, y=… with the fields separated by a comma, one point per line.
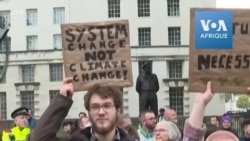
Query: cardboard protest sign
x=97, y=53
x=219, y=50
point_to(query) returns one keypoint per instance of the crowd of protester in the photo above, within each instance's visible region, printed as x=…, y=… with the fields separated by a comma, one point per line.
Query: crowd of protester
x=105, y=122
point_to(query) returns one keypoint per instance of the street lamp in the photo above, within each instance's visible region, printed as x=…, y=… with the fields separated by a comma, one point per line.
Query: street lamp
x=3, y=34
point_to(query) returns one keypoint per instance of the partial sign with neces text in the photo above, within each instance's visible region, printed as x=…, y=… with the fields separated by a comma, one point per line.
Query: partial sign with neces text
x=219, y=49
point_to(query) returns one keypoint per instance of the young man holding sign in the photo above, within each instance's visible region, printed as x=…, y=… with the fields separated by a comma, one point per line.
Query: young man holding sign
x=103, y=105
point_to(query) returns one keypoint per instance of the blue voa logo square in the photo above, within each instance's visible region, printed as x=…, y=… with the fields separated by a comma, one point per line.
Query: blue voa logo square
x=214, y=30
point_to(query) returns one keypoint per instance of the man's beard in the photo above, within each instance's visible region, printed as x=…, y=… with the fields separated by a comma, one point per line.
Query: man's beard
x=150, y=127
x=103, y=130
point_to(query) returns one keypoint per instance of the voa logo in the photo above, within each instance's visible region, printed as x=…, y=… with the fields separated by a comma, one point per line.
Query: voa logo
x=216, y=25
x=213, y=29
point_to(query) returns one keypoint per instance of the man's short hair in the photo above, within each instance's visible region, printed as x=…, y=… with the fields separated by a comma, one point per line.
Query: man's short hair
x=104, y=92
x=216, y=117
x=143, y=112
x=122, y=117
x=67, y=122
x=84, y=114
x=170, y=110
x=162, y=110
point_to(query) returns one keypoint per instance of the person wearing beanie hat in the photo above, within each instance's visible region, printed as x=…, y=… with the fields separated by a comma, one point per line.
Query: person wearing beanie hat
x=225, y=117
x=246, y=130
x=226, y=124
x=167, y=131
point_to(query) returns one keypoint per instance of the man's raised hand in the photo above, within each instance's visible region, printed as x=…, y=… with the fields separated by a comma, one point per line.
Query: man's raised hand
x=205, y=97
x=67, y=88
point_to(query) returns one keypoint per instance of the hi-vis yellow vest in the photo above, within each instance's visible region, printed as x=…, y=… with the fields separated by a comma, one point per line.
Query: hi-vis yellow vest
x=16, y=134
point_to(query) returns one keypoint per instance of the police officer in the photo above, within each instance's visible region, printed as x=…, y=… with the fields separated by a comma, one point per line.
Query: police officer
x=20, y=132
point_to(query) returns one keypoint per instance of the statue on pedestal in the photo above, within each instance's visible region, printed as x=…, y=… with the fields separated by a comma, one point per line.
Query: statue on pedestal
x=147, y=86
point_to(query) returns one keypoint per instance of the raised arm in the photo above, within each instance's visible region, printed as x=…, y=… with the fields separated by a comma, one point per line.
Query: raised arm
x=194, y=128
x=51, y=120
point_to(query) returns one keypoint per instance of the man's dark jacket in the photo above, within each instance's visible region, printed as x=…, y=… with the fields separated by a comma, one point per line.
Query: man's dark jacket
x=51, y=120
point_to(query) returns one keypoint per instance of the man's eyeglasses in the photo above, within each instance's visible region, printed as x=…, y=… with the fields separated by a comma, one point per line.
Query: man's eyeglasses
x=105, y=107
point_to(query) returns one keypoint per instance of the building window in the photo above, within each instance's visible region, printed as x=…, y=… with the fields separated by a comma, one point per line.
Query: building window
x=28, y=73
x=114, y=8
x=186, y=106
x=27, y=99
x=144, y=36
x=6, y=42
x=31, y=16
x=143, y=8
x=3, y=81
x=173, y=7
x=57, y=41
x=56, y=72
x=175, y=68
x=176, y=99
x=59, y=15
x=31, y=42
x=53, y=94
x=125, y=102
x=141, y=63
x=4, y=19
x=174, y=36
x=3, y=105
